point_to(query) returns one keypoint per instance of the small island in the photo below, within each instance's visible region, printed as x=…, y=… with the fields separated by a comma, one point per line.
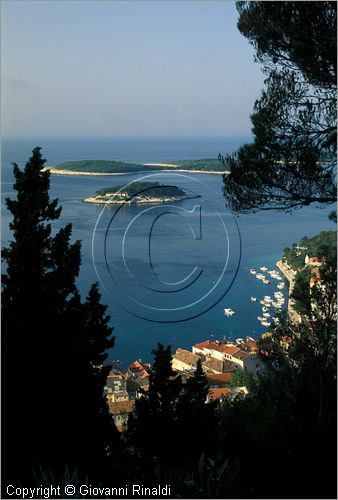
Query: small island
x=139, y=192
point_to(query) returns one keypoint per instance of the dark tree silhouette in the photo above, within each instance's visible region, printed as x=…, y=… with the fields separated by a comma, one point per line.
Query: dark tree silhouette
x=152, y=427
x=53, y=345
x=292, y=161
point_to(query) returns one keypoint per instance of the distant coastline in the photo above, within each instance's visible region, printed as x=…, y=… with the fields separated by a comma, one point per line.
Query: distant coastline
x=113, y=167
x=76, y=172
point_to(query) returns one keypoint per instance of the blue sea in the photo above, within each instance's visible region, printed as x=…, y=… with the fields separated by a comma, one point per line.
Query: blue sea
x=166, y=272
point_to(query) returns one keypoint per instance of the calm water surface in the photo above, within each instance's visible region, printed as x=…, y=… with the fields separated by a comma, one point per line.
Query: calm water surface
x=263, y=235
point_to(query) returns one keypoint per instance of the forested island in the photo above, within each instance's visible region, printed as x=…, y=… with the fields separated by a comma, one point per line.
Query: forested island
x=139, y=192
x=111, y=167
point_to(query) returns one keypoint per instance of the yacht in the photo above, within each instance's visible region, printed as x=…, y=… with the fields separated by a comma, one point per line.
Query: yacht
x=264, y=269
x=266, y=315
x=229, y=312
x=266, y=282
x=264, y=309
x=266, y=323
x=280, y=286
x=260, y=276
x=253, y=271
x=260, y=318
x=253, y=299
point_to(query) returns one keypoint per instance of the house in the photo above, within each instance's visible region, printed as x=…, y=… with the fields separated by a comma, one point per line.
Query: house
x=313, y=261
x=218, y=394
x=248, y=361
x=137, y=369
x=198, y=348
x=184, y=360
x=137, y=378
x=120, y=411
x=116, y=387
x=232, y=356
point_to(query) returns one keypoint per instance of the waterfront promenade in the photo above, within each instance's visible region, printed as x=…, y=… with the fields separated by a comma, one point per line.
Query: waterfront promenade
x=290, y=275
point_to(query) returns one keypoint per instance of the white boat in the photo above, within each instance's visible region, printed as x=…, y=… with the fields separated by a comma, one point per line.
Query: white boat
x=260, y=318
x=280, y=286
x=253, y=299
x=266, y=315
x=267, y=297
x=264, y=269
x=279, y=278
x=250, y=339
x=266, y=323
x=229, y=312
x=266, y=282
x=260, y=276
x=239, y=341
x=264, y=309
x=262, y=302
x=253, y=271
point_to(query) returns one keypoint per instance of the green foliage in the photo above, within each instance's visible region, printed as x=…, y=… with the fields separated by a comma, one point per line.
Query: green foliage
x=323, y=244
x=100, y=166
x=301, y=292
x=214, y=165
x=242, y=378
x=111, y=166
x=54, y=346
x=292, y=161
x=145, y=189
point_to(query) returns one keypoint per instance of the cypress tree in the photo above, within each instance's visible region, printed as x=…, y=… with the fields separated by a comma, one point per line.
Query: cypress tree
x=53, y=345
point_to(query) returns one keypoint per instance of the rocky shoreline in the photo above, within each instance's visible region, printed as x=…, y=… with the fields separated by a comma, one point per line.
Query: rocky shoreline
x=138, y=200
x=173, y=169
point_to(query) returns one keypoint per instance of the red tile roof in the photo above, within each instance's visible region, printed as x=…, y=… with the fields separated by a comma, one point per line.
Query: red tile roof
x=139, y=369
x=218, y=393
x=242, y=355
x=231, y=350
x=186, y=357
x=201, y=345
x=222, y=347
x=221, y=378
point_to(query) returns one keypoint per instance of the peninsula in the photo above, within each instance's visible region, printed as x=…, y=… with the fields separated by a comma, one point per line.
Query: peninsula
x=112, y=167
x=139, y=192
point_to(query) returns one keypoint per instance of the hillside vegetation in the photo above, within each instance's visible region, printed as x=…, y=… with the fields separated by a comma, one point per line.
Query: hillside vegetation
x=321, y=245
x=111, y=166
x=152, y=189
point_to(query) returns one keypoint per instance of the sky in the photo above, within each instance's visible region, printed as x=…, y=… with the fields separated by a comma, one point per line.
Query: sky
x=125, y=69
